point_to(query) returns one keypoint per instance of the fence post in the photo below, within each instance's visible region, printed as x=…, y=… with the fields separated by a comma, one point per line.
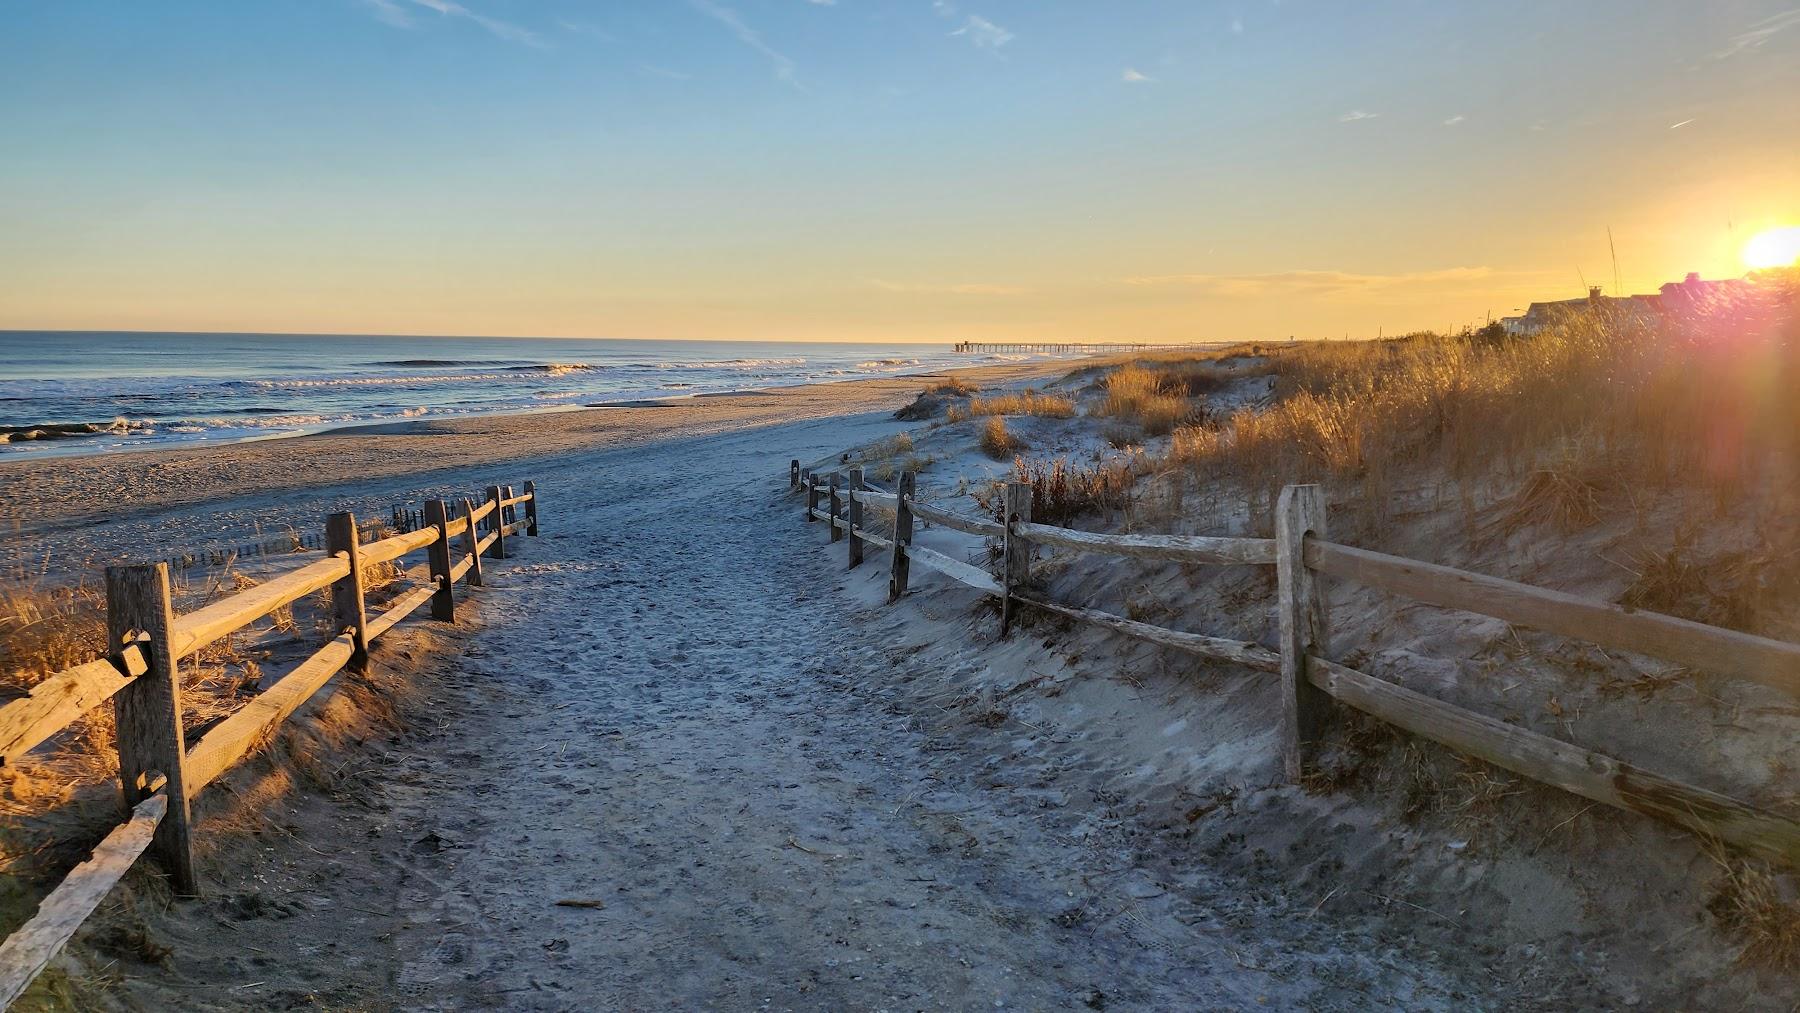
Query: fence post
x=835, y=508
x=347, y=598
x=899, y=565
x=794, y=473
x=531, y=509
x=1016, y=551
x=855, y=513
x=512, y=509
x=1299, y=512
x=497, y=521
x=812, y=495
x=148, y=711
x=443, y=603
x=472, y=543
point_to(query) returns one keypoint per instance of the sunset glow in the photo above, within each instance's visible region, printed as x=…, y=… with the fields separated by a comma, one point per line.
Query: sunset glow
x=1773, y=248
x=878, y=170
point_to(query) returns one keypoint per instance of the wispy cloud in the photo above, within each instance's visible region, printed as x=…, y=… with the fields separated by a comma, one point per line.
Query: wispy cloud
x=1328, y=284
x=398, y=14
x=1678, y=126
x=968, y=288
x=581, y=28
x=784, y=67
x=1134, y=76
x=1357, y=114
x=983, y=33
x=1758, y=34
x=1454, y=120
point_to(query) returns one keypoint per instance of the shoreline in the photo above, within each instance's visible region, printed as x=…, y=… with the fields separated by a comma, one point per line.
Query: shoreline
x=67, y=512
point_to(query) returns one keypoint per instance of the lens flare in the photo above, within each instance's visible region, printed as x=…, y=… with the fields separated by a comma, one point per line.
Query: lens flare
x=1773, y=248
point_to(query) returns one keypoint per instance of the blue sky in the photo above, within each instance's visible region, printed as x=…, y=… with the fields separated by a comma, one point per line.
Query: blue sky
x=789, y=168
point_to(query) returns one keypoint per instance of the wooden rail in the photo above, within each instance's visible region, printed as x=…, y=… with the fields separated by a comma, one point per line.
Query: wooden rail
x=1310, y=684
x=159, y=773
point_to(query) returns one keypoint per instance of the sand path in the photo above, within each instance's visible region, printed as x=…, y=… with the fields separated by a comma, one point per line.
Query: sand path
x=678, y=721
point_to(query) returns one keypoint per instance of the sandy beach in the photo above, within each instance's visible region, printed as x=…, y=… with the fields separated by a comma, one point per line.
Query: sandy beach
x=65, y=514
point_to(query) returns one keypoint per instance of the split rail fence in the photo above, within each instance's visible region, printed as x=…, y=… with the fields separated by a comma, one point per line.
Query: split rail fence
x=159, y=772
x=1310, y=683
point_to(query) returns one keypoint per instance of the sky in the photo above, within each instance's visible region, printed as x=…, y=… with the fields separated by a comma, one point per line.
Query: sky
x=881, y=170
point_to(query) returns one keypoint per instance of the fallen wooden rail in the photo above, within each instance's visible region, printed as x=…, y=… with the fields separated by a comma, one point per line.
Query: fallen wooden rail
x=26, y=952
x=159, y=773
x=1310, y=684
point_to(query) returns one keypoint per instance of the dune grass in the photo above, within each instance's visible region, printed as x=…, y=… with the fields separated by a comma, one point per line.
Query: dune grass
x=1028, y=403
x=953, y=386
x=1146, y=397
x=1594, y=409
x=996, y=442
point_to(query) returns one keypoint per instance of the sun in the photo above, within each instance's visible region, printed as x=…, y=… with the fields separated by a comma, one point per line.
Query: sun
x=1779, y=247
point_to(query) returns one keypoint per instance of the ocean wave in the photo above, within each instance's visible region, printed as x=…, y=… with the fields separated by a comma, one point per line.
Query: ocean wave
x=516, y=372
x=887, y=363
x=431, y=363
x=67, y=430
x=723, y=364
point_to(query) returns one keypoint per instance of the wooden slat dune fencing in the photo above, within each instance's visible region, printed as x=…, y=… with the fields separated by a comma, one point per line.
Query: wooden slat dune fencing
x=159, y=772
x=1311, y=684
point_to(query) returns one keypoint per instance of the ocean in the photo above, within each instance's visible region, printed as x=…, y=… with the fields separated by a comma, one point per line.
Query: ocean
x=73, y=393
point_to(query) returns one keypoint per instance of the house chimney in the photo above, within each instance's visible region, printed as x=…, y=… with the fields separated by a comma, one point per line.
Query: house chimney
x=1693, y=278
x=1593, y=295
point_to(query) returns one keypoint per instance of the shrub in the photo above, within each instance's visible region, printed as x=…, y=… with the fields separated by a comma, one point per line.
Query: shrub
x=1061, y=492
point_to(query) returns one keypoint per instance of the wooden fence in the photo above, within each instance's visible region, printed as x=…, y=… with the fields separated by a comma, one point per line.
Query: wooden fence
x=159, y=772
x=1311, y=684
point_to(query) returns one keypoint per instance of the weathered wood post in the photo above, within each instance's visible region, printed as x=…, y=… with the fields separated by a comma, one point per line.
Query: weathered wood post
x=443, y=602
x=794, y=473
x=148, y=711
x=531, y=509
x=1301, y=600
x=837, y=508
x=812, y=495
x=854, y=512
x=472, y=543
x=899, y=564
x=1016, y=551
x=511, y=510
x=347, y=595
x=497, y=522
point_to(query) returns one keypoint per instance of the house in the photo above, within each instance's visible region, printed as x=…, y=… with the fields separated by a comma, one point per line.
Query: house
x=1689, y=295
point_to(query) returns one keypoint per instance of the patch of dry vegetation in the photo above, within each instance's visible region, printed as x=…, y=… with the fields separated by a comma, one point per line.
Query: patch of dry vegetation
x=996, y=442
x=1571, y=415
x=954, y=386
x=1147, y=397
x=1752, y=908
x=1062, y=492
x=1030, y=402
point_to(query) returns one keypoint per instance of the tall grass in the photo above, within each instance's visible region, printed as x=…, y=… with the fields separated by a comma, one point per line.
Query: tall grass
x=1146, y=397
x=1704, y=399
x=996, y=442
x=1028, y=403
